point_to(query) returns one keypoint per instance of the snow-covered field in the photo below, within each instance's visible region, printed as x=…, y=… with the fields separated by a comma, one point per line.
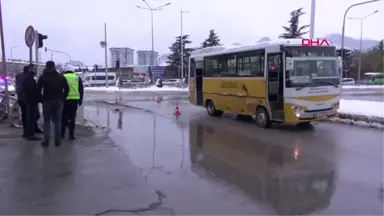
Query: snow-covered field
x=362, y=113
x=148, y=89
x=366, y=108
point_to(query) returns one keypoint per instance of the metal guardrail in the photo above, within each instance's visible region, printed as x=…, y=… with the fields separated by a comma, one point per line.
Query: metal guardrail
x=16, y=111
x=14, y=106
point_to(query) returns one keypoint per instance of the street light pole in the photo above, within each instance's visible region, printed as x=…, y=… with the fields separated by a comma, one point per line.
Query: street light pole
x=361, y=41
x=12, y=50
x=106, y=55
x=149, y=8
x=343, y=33
x=4, y=65
x=312, y=26
x=181, y=45
x=57, y=51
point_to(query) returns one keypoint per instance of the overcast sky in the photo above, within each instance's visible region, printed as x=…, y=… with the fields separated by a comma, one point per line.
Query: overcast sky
x=77, y=26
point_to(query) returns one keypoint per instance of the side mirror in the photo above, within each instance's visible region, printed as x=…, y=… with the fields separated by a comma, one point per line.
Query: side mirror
x=289, y=64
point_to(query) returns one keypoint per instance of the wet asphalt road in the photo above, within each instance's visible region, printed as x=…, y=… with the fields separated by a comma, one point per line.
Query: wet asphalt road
x=225, y=166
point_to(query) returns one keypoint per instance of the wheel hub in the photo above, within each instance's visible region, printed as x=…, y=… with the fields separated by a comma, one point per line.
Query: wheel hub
x=211, y=108
x=261, y=118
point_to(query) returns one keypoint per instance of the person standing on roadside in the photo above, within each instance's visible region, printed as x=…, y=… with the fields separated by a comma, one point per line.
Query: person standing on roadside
x=54, y=89
x=28, y=98
x=73, y=100
x=21, y=98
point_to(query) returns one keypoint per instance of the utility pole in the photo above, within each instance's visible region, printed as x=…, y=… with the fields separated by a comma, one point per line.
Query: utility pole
x=312, y=26
x=361, y=41
x=343, y=32
x=4, y=66
x=182, y=44
x=106, y=54
x=149, y=8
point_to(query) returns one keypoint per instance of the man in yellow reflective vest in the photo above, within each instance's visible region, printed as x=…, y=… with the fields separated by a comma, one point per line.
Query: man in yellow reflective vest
x=73, y=100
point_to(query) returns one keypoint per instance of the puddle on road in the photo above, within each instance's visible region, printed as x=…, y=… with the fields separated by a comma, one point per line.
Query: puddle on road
x=210, y=169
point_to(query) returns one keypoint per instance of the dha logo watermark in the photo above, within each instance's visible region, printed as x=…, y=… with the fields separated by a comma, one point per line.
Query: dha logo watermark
x=314, y=42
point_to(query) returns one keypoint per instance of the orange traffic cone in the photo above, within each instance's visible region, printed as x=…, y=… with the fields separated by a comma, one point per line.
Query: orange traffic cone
x=177, y=111
x=117, y=100
x=158, y=100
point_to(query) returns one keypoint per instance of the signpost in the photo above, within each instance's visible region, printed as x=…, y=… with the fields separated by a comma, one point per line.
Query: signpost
x=37, y=53
x=30, y=37
x=158, y=71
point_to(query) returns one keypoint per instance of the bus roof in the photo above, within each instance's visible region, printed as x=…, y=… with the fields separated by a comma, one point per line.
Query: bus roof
x=216, y=50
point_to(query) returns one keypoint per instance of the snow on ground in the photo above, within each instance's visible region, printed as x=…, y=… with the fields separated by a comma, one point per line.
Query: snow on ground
x=366, y=108
x=363, y=87
x=148, y=89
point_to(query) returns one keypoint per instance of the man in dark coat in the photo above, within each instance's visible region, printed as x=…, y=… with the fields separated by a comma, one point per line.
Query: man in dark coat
x=54, y=89
x=21, y=99
x=28, y=96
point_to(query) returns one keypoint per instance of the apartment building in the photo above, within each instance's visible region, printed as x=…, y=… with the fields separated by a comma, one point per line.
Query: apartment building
x=145, y=57
x=124, y=54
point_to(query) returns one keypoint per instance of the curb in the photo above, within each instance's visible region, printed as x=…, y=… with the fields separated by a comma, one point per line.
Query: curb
x=363, y=118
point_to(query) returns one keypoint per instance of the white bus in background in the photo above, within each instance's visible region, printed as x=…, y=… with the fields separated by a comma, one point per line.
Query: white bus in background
x=98, y=79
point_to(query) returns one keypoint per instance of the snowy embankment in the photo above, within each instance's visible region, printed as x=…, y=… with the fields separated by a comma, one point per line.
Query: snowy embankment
x=364, y=113
x=363, y=87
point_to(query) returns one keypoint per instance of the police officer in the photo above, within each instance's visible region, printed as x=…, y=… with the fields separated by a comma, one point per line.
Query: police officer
x=74, y=99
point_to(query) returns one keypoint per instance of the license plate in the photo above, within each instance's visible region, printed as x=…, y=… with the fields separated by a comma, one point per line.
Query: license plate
x=320, y=114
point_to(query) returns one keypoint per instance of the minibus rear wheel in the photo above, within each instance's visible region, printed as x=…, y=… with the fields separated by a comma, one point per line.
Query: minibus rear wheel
x=262, y=118
x=211, y=109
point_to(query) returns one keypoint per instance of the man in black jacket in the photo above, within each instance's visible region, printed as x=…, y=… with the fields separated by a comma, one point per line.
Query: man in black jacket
x=27, y=93
x=54, y=88
x=21, y=99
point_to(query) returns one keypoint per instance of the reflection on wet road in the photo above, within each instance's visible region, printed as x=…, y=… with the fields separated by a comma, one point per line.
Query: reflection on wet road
x=223, y=166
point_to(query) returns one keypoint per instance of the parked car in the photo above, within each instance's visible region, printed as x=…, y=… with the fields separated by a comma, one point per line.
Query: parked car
x=99, y=78
x=135, y=83
x=172, y=82
x=159, y=83
x=11, y=87
x=348, y=81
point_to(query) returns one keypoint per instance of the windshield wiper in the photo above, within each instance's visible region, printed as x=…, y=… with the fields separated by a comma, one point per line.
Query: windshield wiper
x=330, y=83
x=306, y=85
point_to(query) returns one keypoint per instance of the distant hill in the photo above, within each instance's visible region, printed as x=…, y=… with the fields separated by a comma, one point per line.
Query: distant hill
x=352, y=43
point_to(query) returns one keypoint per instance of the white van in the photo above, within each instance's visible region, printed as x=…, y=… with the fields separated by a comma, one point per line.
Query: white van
x=98, y=79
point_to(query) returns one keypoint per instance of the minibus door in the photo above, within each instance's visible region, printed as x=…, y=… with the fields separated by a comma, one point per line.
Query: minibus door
x=199, y=83
x=275, y=89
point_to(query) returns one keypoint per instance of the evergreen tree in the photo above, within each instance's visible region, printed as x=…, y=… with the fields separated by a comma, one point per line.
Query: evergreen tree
x=174, y=60
x=212, y=40
x=380, y=46
x=294, y=31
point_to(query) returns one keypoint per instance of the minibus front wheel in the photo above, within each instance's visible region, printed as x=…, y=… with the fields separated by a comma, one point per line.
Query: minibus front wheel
x=211, y=109
x=262, y=118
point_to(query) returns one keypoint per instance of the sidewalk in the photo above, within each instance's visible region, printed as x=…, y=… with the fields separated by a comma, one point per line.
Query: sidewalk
x=86, y=177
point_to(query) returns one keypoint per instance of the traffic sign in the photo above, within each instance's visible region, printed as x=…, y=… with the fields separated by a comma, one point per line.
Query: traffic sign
x=30, y=36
